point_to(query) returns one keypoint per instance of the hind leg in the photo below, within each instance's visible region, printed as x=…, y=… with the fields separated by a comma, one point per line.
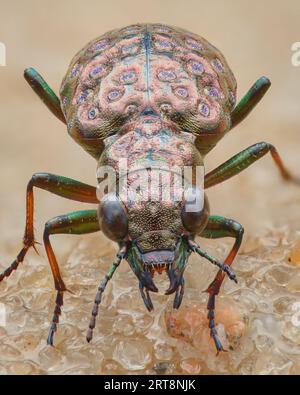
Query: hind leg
x=218, y=227
x=250, y=100
x=78, y=222
x=43, y=90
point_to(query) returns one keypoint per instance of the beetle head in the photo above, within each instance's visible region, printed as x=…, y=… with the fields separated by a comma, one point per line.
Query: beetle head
x=154, y=251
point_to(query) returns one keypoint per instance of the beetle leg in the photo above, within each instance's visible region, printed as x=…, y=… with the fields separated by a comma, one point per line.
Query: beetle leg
x=77, y=222
x=120, y=255
x=244, y=159
x=59, y=185
x=43, y=90
x=218, y=227
x=146, y=297
x=250, y=100
x=211, y=323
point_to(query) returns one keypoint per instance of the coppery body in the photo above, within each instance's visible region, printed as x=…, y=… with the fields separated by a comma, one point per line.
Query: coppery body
x=161, y=97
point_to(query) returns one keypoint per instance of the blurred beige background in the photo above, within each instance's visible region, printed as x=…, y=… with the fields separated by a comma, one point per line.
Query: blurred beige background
x=256, y=39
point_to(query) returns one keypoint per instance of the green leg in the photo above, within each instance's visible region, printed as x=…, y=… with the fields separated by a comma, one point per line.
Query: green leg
x=250, y=100
x=43, y=90
x=219, y=227
x=244, y=159
x=120, y=255
x=61, y=186
x=78, y=222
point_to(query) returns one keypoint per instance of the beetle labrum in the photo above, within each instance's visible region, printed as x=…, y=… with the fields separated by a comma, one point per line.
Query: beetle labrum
x=153, y=94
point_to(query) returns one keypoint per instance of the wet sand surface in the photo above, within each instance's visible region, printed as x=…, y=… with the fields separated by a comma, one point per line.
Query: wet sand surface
x=258, y=319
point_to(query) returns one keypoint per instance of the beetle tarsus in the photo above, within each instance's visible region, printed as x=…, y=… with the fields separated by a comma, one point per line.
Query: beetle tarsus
x=50, y=336
x=55, y=319
x=19, y=259
x=211, y=323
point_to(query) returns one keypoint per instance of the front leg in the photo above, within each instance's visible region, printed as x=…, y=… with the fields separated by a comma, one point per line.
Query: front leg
x=244, y=159
x=78, y=222
x=219, y=227
x=59, y=185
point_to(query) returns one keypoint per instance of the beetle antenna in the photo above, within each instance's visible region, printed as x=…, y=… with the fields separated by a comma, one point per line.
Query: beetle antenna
x=120, y=255
x=222, y=266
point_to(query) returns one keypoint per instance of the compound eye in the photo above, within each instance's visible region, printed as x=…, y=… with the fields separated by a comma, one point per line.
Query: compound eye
x=195, y=210
x=113, y=219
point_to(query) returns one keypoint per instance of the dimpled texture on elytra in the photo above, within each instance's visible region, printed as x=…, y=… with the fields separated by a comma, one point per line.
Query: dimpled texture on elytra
x=146, y=65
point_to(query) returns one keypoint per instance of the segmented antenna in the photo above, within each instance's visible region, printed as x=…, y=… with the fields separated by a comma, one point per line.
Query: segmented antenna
x=120, y=255
x=222, y=266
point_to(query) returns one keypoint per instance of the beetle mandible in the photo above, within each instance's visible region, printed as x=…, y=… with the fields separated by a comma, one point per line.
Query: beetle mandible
x=155, y=95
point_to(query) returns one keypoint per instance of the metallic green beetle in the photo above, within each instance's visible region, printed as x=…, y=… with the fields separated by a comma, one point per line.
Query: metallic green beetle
x=157, y=96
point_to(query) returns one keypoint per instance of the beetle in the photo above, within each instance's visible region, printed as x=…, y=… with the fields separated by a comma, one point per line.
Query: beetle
x=155, y=95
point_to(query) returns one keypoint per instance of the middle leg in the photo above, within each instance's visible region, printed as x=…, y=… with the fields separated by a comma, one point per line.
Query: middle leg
x=59, y=185
x=78, y=222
